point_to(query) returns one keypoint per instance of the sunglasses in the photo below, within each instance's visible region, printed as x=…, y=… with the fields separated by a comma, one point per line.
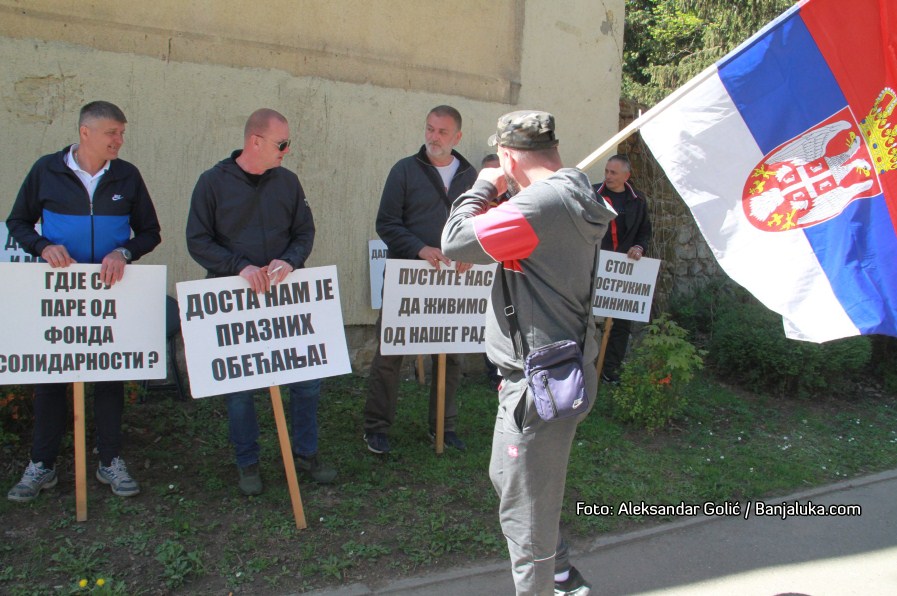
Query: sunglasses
x=281, y=146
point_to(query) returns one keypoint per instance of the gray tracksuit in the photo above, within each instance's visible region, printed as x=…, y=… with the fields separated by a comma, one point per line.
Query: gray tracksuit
x=545, y=239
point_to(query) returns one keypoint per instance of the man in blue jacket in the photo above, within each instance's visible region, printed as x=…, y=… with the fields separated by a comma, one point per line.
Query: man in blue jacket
x=88, y=202
x=415, y=204
x=249, y=217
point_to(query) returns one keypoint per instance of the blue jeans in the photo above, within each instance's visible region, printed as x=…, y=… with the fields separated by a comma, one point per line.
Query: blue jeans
x=244, y=425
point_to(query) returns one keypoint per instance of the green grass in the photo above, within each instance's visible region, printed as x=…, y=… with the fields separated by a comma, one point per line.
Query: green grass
x=411, y=512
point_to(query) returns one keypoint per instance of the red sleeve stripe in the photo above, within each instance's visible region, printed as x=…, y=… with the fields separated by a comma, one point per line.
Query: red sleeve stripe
x=505, y=234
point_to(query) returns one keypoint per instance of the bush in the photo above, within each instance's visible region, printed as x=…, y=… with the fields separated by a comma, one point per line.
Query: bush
x=748, y=346
x=650, y=392
x=16, y=412
x=884, y=358
x=696, y=311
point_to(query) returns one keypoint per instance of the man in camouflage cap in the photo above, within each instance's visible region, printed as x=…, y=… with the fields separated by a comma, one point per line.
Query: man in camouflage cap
x=528, y=130
x=545, y=238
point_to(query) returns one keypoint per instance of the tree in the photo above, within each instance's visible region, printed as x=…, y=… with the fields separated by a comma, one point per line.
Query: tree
x=667, y=42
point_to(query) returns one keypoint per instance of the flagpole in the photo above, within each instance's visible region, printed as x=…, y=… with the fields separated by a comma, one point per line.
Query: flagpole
x=636, y=124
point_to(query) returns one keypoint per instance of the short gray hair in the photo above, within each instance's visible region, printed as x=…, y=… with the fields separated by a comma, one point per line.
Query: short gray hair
x=622, y=159
x=98, y=110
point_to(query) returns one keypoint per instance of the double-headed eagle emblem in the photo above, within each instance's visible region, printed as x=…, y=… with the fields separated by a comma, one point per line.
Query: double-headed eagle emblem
x=814, y=176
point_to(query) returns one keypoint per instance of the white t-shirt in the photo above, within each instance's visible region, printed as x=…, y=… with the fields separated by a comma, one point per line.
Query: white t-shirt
x=448, y=172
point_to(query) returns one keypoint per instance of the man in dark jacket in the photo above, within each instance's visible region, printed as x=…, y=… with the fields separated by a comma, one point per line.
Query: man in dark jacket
x=249, y=217
x=414, y=206
x=629, y=233
x=88, y=202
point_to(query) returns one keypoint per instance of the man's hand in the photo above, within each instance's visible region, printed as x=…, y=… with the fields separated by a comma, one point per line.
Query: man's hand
x=434, y=256
x=113, y=267
x=277, y=271
x=257, y=277
x=57, y=256
x=495, y=176
x=462, y=267
x=635, y=253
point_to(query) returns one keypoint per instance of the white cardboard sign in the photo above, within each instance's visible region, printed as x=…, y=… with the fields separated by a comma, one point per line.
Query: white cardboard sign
x=237, y=340
x=64, y=325
x=624, y=287
x=430, y=311
x=13, y=252
x=376, y=265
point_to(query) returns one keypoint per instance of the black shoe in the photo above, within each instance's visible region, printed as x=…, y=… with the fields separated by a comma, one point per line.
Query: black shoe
x=316, y=469
x=575, y=585
x=250, y=480
x=449, y=438
x=377, y=443
x=612, y=378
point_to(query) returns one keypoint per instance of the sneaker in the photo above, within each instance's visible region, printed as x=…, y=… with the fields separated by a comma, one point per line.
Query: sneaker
x=117, y=477
x=377, y=442
x=612, y=378
x=250, y=480
x=449, y=438
x=316, y=469
x=35, y=479
x=575, y=585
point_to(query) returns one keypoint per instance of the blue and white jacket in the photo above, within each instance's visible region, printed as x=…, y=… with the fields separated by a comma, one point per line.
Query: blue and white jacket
x=89, y=230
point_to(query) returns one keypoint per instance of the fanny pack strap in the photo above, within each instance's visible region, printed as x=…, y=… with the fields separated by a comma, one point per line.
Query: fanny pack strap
x=517, y=338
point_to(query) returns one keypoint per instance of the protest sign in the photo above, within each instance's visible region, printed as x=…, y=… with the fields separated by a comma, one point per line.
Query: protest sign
x=14, y=253
x=376, y=265
x=430, y=311
x=624, y=288
x=237, y=340
x=64, y=325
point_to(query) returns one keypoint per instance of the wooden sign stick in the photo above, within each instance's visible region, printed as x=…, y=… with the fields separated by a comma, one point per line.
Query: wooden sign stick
x=80, y=455
x=440, y=405
x=605, y=336
x=289, y=464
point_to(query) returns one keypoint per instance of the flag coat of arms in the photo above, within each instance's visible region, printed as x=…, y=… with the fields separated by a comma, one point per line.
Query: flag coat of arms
x=786, y=154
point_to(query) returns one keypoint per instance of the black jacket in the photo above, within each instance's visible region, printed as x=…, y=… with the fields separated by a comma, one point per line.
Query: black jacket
x=414, y=206
x=234, y=223
x=632, y=227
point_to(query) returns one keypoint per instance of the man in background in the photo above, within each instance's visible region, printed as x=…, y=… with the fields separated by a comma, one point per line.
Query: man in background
x=249, y=217
x=88, y=202
x=629, y=234
x=415, y=203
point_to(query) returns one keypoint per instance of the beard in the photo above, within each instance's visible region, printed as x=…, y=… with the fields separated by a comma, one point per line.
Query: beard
x=513, y=185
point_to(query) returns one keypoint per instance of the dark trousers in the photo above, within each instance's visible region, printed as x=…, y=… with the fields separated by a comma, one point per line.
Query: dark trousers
x=616, y=346
x=383, y=390
x=51, y=417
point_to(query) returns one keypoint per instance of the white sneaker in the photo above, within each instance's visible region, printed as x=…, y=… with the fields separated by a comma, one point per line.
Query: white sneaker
x=35, y=479
x=117, y=477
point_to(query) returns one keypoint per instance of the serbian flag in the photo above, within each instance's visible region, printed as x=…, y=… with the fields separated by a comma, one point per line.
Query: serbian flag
x=786, y=153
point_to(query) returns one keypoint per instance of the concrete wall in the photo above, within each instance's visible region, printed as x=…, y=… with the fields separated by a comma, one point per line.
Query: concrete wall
x=354, y=78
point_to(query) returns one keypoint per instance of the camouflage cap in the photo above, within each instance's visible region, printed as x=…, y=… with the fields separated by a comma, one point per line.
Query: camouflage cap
x=526, y=130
